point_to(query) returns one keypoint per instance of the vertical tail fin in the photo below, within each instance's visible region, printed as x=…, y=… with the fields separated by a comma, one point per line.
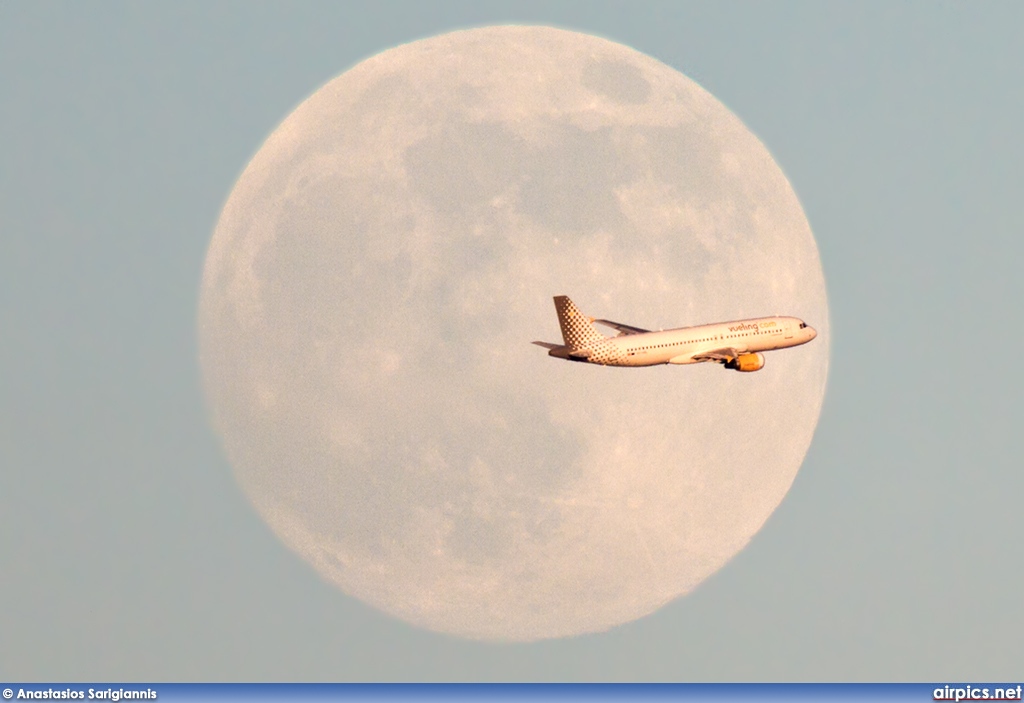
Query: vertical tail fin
x=577, y=330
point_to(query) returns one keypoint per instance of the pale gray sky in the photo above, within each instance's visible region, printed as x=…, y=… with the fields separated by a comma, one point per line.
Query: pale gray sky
x=127, y=550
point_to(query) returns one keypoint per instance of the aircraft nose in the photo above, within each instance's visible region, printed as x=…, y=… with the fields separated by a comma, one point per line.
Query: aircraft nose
x=812, y=332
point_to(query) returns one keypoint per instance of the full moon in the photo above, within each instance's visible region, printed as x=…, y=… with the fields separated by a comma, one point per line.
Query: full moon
x=374, y=284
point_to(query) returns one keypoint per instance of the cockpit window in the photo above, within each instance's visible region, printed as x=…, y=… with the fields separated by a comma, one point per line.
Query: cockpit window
x=802, y=325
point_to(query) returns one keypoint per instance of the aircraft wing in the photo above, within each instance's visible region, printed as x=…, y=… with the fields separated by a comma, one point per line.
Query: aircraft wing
x=623, y=329
x=719, y=356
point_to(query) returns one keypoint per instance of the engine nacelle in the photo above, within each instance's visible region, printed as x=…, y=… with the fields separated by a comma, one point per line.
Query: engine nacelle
x=747, y=363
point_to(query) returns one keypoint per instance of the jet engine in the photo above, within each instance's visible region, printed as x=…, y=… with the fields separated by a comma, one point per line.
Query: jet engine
x=747, y=363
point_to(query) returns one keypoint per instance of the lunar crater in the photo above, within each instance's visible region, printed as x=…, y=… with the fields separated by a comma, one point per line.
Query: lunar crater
x=617, y=80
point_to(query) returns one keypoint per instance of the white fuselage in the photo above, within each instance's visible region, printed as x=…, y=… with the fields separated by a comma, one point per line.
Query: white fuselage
x=681, y=346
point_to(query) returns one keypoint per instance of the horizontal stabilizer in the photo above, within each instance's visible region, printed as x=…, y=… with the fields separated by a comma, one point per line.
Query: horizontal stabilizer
x=559, y=351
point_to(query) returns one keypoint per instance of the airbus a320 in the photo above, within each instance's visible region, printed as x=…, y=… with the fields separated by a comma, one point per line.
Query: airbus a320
x=736, y=345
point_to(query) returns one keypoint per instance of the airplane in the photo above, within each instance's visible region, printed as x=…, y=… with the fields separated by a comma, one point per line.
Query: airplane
x=736, y=345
